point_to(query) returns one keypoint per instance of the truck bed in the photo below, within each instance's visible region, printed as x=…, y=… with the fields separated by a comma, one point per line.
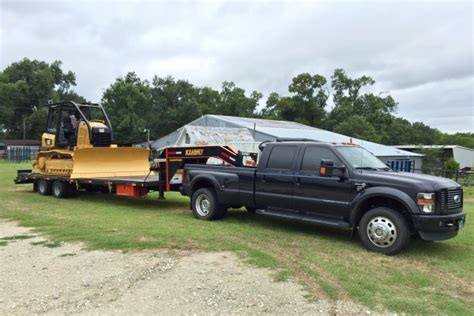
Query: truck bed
x=235, y=185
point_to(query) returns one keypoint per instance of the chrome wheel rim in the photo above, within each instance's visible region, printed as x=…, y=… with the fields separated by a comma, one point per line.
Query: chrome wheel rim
x=382, y=232
x=56, y=189
x=42, y=186
x=203, y=205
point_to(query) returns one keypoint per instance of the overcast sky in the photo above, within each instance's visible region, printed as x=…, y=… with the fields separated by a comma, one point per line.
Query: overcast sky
x=420, y=52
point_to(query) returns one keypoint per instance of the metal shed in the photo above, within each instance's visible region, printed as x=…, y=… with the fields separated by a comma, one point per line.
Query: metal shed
x=463, y=155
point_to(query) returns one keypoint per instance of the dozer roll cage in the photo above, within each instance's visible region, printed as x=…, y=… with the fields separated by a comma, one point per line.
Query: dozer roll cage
x=77, y=106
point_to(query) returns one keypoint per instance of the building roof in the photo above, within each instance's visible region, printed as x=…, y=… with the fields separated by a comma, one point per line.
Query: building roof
x=286, y=129
x=21, y=142
x=432, y=147
x=205, y=135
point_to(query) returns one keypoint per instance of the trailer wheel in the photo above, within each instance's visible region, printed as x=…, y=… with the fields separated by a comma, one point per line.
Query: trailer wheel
x=204, y=205
x=44, y=187
x=60, y=189
x=72, y=190
x=35, y=186
x=251, y=210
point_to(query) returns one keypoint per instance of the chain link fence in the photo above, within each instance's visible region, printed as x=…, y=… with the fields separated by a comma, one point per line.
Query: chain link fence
x=18, y=154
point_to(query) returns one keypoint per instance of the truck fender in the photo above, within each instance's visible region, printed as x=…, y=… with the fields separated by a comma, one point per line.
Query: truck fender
x=225, y=184
x=391, y=193
x=206, y=179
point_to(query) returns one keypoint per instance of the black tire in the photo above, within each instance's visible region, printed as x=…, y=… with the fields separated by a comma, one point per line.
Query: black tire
x=35, y=186
x=44, y=187
x=104, y=189
x=251, y=210
x=384, y=230
x=72, y=190
x=204, y=205
x=60, y=189
x=221, y=213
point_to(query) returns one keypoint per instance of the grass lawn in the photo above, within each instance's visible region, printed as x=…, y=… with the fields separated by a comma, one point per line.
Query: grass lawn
x=428, y=278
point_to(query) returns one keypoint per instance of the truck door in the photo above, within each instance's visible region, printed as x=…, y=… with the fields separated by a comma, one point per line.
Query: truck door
x=321, y=195
x=274, y=182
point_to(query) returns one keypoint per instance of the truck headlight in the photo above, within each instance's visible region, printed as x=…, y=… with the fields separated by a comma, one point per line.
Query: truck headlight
x=426, y=202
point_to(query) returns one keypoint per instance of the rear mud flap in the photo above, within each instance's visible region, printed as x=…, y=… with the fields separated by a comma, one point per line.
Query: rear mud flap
x=110, y=162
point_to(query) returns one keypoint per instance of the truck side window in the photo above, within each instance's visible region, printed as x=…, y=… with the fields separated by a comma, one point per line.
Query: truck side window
x=312, y=158
x=282, y=157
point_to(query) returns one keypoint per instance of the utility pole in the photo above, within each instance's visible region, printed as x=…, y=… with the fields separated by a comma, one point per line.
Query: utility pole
x=34, y=108
x=148, y=134
x=24, y=130
x=24, y=139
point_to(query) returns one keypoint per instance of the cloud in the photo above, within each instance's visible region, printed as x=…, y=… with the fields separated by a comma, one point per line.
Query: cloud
x=422, y=52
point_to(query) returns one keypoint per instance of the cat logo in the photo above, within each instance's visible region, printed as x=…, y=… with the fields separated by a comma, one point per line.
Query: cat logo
x=194, y=152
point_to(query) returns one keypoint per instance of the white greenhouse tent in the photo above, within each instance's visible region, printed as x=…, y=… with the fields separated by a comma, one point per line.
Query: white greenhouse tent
x=208, y=127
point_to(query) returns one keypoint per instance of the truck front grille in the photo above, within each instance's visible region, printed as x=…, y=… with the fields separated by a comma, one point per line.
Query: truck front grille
x=443, y=199
x=450, y=199
x=454, y=198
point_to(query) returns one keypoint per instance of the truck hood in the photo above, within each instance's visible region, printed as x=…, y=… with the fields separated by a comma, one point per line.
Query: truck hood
x=419, y=182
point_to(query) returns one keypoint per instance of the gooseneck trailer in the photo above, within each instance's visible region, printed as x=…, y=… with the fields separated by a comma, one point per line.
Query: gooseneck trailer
x=164, y=174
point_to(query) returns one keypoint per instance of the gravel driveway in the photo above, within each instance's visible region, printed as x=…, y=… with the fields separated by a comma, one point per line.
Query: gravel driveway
x=37, y=276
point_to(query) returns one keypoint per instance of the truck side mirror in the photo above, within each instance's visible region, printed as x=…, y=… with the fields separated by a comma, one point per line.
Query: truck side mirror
x=327, y=169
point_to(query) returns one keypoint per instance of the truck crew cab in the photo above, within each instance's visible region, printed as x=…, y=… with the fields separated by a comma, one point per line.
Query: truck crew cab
x=339, y=185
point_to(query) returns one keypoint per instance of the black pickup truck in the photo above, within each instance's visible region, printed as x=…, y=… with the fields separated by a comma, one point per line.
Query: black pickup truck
x=343, y=186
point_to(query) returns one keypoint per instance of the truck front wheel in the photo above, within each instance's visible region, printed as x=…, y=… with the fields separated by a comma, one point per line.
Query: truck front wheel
x=205, y=206
x=384, y=230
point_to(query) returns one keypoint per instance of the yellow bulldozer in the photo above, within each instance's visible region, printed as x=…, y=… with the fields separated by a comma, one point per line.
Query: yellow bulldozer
x=78, y=144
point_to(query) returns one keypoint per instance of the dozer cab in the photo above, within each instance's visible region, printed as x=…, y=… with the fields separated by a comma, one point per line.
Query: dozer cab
x=78, y=143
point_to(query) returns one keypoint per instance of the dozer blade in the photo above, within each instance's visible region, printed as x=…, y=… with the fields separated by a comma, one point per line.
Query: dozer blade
x=99, y=162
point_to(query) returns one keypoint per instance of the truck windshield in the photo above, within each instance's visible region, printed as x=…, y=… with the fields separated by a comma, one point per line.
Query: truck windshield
x=361, y=158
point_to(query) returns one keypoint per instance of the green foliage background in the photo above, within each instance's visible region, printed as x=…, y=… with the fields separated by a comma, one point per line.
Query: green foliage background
x=164, y=104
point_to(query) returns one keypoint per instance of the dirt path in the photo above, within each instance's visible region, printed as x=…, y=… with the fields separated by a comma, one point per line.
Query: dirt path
x=37, y=276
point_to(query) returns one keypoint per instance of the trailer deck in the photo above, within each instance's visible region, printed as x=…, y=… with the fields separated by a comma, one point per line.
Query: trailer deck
x=164, y=175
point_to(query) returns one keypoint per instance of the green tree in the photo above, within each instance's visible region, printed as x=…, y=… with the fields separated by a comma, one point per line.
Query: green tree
x=175, y=103
x=461, y=139
x=310, y=98
x=423, y=134
x=399, y=132
x=350, y=100
x=234, y=102
x=281, y=108
x=208, y=100
x=27, y=85
x=128, y=102
x=432, y=159
x=306, y=105
x=359, y=127
x=451, y=167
